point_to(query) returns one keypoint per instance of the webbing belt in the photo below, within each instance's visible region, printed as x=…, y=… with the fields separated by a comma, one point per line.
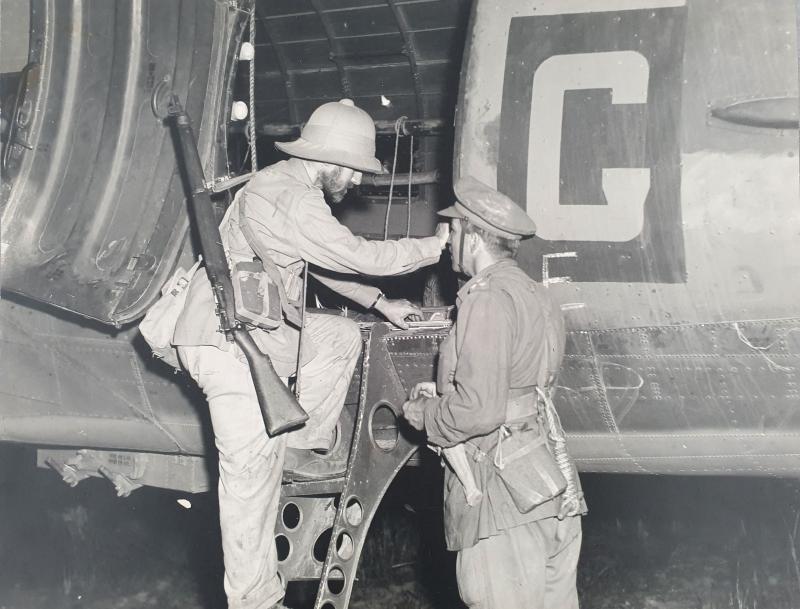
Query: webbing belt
x=523, y=405
x=270, y=268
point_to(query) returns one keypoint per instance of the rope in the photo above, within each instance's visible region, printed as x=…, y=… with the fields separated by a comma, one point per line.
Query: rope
x=410, y=174
x=571, y=501
x=252, y=85
x=398, y=124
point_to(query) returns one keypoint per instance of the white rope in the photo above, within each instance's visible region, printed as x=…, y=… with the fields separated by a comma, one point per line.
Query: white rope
x=252, y=85
x=410, y=175
x=397, y=126
x=571, y=501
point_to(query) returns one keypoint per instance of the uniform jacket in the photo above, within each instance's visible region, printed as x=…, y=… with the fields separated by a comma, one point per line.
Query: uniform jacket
x=292, y=222
x=509, y=337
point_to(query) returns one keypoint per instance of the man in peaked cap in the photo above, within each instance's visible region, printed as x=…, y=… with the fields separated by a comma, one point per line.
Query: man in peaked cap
x=281, y=217
x=518, y=545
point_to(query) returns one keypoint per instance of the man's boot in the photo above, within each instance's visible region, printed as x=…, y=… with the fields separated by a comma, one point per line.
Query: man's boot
x=304, y=464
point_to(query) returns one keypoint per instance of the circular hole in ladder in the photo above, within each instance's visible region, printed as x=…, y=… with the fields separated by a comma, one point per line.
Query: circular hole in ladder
x=383, y=427
x=291, y=516
x=336, y=580
x=328, y=606
x=283, y=546
x=353, y=512
x=321, y=545
x=344, y=546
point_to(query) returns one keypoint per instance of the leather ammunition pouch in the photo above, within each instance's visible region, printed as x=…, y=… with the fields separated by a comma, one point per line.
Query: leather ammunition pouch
x=529, y=471
x=256, y=296
x=521, y=458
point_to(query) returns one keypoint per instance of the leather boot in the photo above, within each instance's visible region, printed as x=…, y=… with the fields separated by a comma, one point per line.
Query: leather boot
x=303, y=464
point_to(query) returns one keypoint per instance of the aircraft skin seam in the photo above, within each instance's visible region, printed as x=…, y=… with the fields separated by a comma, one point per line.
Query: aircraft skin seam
x=83, y=415
x=649, y=436
x=55, y=350
x=29, y=398
x=131, y=406
x=678, y=355
x=677, y=327
x=678, y=457
x=766, y=470
x=146, y=399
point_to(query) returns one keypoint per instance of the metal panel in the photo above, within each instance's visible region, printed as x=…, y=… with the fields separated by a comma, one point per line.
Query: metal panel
x=356, y=39
x=92, y=217
x=297, y=29
x=64, y=383
x=375, y=20
x=722, y=227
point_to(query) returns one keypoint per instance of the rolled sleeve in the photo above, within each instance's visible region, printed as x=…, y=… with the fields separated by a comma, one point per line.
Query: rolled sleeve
x=477, y=405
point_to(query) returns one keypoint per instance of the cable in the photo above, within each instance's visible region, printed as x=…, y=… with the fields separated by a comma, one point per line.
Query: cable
x=397, y=126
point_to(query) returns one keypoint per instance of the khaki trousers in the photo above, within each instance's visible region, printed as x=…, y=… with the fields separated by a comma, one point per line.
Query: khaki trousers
x=532, y=566
x=251, y=463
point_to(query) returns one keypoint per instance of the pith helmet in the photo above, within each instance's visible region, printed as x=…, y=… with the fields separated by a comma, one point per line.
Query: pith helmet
x=489, y=209
x=338, y=133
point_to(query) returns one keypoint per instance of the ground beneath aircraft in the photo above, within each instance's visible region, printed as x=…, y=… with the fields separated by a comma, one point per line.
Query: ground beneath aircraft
x=649, y=543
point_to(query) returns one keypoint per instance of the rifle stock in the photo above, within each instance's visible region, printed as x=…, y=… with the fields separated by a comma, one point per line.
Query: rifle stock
x=268, y=391
x=279, y=408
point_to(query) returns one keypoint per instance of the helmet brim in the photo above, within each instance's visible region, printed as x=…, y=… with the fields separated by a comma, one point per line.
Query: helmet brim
x=314, y=152
x=451, y=212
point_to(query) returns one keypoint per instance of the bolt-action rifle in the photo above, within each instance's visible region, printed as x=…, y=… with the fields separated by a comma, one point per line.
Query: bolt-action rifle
x=279, y=408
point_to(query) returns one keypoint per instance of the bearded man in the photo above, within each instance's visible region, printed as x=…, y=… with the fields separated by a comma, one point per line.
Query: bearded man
x=281, y=217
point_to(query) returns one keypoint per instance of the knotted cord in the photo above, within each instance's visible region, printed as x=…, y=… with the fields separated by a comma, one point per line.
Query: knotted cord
x=571, y=501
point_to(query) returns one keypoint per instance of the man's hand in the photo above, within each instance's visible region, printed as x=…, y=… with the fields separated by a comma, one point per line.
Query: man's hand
x=442, y=233
x=414, y=413
x=397, y=311
x=423, y=390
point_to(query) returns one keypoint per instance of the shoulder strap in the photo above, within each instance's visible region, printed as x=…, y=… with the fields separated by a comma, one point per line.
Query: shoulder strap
x=544, y=380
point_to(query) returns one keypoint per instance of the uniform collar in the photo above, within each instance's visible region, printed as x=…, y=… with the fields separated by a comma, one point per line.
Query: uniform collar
x=485, y=274
x=297, y=169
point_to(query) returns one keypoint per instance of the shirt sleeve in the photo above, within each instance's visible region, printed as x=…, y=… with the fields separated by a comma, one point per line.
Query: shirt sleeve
x=477, y=404
x=323, y=241
x=360, y=293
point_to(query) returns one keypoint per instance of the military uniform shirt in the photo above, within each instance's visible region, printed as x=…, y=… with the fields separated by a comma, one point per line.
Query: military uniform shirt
x=292, y=222
x=508, y=335
x=497, y=344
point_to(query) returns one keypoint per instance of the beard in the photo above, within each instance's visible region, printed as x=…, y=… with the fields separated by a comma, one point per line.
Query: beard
x=332, y=185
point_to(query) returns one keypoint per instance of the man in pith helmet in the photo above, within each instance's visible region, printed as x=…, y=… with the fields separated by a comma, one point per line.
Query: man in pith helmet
x=281, y=218
x=518, y=540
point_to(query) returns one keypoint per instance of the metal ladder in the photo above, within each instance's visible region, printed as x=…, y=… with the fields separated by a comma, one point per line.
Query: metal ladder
x=322, y=525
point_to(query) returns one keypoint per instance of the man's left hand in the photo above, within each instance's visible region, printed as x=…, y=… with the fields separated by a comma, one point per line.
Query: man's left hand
x=398, y=311
x=414, y=413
